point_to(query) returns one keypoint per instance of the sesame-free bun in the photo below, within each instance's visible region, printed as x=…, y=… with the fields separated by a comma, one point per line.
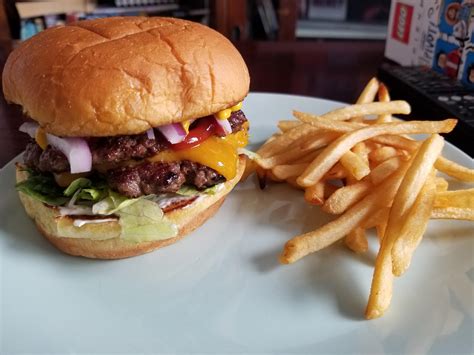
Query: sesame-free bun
x=102, y=240
x=123, y=75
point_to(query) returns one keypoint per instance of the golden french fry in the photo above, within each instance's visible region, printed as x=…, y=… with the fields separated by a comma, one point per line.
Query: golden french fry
x=458, y=199
x=297, y=151
x=304, y=244
x=315, y=194
x=377, y=218
x=319, y=140
x=333, y=152
x=453, y=213
x=368, y=94
x=346, y=196
x=287, y=171
x=355, y=165
x=383, y=153
x=454, y=170
x=385, y=169
x=381, y=228
x=308, y=158
x=362, y=150
x=283, y=141
x=286, y=125
x=371, y=108
x=327, y=124
x=414, y=226
x=441, y=184
x=384, y=96
x=414, y=179
x=357, y=240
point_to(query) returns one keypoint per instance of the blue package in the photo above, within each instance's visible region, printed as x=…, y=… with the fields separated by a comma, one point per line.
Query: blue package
x=447, y=58
x=449, y=15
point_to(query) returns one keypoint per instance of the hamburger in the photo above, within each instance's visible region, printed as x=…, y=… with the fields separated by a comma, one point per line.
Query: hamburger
x=136, y=131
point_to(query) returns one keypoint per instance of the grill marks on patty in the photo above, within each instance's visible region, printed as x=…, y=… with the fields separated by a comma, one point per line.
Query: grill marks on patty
x=138, y=179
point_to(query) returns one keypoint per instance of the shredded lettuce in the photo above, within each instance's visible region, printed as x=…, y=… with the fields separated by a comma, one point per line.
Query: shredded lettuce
x=42, y=188
x=113, y=203
x=77, y=185
x=143, y=220
x=87, y=190
x=140, y=218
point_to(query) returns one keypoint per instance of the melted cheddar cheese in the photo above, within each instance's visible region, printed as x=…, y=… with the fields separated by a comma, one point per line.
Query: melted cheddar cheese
x=40, y=138
x=218, y=153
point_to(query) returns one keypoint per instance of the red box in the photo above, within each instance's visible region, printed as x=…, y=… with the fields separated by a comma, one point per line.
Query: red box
x=402, y=22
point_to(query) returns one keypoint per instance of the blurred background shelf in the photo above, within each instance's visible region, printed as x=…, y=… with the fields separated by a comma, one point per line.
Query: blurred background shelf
x=141, y=9
x=340, y=30
x=320, y=43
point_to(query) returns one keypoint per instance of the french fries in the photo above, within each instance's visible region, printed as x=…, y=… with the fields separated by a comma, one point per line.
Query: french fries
x=370, y=174
x=307, y=243
x=381, y=289
x=323, y=162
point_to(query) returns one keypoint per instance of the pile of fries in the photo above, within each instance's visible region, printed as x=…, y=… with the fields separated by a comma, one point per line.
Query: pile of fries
x=358, y=162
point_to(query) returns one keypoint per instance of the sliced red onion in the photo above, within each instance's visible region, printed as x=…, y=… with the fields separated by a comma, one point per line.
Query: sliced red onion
x=150, y=133
x=29, y=128
x=76, y=150
x=224, y=126
x=174, y=132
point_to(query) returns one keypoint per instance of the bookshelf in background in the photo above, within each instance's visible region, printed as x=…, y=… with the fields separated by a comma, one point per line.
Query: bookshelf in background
x=33, y=17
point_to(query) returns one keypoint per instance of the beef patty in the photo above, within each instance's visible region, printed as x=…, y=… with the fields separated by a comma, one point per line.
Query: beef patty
x=154, y=178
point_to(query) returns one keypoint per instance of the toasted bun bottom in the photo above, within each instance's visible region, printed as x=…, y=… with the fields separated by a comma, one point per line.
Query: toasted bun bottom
x=102, y=240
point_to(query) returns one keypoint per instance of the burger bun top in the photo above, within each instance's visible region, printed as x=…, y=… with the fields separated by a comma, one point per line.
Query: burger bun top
x=118, y=76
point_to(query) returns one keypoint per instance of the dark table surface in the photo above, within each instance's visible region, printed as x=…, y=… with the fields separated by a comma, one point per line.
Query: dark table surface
x=335, y=70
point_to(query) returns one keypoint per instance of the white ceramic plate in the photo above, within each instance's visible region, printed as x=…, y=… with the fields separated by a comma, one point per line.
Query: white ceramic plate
x=221, y=290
